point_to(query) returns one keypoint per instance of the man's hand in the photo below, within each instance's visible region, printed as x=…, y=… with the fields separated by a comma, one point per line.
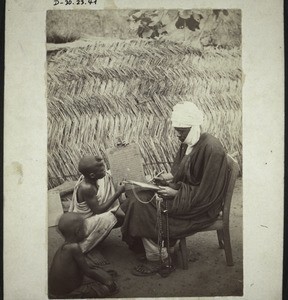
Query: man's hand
x=121, y=188
x=166, y=192
x=163, y=179
x=160, y=181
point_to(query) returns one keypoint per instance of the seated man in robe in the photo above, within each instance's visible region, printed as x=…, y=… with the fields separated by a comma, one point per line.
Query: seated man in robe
x=94, y=197
x=194, y=195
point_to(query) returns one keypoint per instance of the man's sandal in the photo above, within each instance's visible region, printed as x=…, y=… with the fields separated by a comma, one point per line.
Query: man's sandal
x=142, y=270
x=166, y=270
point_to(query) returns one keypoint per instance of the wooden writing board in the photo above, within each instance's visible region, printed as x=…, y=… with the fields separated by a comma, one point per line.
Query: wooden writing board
x=126, y=163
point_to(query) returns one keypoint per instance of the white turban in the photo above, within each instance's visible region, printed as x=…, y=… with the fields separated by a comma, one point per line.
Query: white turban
x=186, y=114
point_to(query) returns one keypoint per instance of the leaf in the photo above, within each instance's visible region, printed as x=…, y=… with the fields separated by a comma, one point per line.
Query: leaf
x=145, y=20
x=216, y=12
x=133, y=12
x=134, y=25
x=137, y=15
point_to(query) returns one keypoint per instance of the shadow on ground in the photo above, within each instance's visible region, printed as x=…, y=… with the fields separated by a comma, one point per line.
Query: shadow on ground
x=208, y=274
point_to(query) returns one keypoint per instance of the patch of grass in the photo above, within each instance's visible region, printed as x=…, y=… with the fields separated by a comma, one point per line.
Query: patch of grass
x=68, y=26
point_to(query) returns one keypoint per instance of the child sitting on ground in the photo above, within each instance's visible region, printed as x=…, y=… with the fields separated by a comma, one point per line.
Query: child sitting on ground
x=69, y=266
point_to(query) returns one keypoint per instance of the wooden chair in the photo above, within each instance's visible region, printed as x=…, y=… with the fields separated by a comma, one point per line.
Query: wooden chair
x=221, y=225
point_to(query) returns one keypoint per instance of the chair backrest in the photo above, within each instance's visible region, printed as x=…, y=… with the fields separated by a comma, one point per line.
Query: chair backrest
x=232, y=176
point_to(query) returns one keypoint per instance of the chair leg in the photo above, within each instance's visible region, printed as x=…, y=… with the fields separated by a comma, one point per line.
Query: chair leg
x=227, y=247
x=220, y=238
x=183, y=252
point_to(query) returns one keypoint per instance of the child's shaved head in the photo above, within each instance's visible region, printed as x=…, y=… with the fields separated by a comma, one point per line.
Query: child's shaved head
x=92, y=166
x=88, y=163
x=71, y=226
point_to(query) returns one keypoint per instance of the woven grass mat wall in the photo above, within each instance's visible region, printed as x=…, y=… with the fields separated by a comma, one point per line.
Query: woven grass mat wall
x=126, y=89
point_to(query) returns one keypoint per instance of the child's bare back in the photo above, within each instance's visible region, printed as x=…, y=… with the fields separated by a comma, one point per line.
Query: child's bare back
x=65, y=274
x=69, y=266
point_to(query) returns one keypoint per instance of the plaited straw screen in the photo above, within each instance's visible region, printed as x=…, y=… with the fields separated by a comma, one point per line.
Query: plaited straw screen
x=111, y=90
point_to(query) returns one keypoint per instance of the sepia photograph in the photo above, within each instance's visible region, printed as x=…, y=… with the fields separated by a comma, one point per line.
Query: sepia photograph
x=144, y=153
x=143, y=149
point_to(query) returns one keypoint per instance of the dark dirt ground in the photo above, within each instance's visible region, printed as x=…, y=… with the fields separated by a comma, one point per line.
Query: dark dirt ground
x=207, y=275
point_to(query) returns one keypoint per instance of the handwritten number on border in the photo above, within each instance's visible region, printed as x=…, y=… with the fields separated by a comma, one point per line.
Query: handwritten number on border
x=76, y=2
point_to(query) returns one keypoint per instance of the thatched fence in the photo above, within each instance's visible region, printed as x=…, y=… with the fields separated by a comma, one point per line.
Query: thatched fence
x=113, y=90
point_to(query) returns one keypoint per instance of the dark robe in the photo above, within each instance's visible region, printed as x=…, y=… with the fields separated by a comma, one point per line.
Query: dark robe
x=201, y=180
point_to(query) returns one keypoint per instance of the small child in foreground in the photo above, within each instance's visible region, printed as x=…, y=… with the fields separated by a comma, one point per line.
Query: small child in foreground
x=69, y=266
